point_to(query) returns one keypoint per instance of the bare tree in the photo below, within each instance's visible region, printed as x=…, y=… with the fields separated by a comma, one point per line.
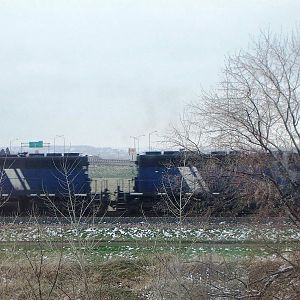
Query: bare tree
x=256, y=106
x=255, y=109
x=255, y=112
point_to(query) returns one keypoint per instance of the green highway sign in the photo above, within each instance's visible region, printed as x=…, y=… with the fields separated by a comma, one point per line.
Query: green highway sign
x=39, y=144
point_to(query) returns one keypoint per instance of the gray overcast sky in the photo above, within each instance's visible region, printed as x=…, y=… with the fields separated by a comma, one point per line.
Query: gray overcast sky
x=100, y=71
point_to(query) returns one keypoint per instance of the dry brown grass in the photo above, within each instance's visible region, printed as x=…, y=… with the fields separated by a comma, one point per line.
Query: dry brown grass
x=35, y=276
x=49, y=275
x=211, y=278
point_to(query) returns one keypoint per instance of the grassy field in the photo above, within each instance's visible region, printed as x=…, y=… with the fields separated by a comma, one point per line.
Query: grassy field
x=107, y=241
x=112, y=176
x=125, y=172
x=141, y=261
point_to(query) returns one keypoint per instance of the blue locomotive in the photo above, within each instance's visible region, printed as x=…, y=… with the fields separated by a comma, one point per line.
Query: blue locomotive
x=31, y=181
x=166, y=176
x=227, y=182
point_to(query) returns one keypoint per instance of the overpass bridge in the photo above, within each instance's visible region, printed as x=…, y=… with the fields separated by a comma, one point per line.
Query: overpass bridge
x=98, y=161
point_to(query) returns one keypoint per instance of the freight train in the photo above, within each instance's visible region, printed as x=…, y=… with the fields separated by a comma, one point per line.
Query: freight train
x=59, y=183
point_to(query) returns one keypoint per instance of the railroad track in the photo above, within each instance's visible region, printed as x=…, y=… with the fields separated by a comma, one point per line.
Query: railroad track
x=123, y=219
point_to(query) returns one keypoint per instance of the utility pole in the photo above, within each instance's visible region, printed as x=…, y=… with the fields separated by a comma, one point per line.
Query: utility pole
x=137, y=138
x=133, y=153
x=10, y=143
x=60, y=136
x=149, y=138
